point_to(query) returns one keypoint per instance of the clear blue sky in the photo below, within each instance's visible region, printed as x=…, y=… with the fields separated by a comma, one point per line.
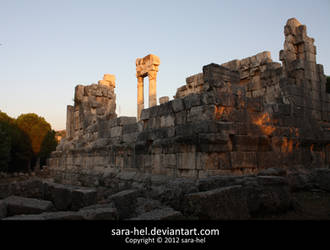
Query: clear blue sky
x=48, y=47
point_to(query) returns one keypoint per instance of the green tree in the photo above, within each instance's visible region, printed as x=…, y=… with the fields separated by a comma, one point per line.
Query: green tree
x=5, y=146
x=15, y=142
x=328, y=84
x=35, y=127
x=48, y=145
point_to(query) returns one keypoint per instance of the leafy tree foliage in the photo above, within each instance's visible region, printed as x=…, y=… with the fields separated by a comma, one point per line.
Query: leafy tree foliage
x=23, y=140
x=328, y=84
x=15, y=146
x=35, y=127
x=48, y=145
x=5, y=144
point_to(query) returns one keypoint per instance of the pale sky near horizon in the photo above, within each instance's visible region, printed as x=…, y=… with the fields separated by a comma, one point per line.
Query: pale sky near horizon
x=50, y=46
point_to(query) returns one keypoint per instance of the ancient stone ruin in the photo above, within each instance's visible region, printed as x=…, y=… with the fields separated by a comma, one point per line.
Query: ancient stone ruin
x=239, y=137
x=235, y=118
x=147, y=66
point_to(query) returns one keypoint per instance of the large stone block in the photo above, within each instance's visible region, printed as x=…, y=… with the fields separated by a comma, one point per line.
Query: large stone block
x=3, y=209
x=62, y=215
x=21, y=205
x=243, y=159
x=177, y=105
x=167, y=121
x=227, y=203
x=102, y=213
x=160, y=214
x=59, y=194
x=116, y=131
x=130, y=128
x=125, y=202
x=186, y=160
x=320, y=177
x=82, y=197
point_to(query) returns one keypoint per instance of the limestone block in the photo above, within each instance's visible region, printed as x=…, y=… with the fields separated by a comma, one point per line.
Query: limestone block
x=130, y=128
x=186, y=160
x=218, y=204
x=82, y=197
x=146, y=64
x=192, y=100
x=163, y=99
x=125, y=202
x=108, y=80
x=167, y=121
x=79, y=93
x=116, y=131
x=61, y=215
x=243, y=159
x=102, y=213
x=180, y=118
x=3, y=209
x=145, y=114
x=165, y=109
x=177, y=105
x=167, y=213
x=125, y=120
x=21, y=205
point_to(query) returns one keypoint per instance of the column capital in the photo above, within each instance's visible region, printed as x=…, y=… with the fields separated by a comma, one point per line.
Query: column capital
x=152, y=75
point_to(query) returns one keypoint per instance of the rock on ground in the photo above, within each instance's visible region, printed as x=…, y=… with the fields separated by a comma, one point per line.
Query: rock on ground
x=21, y=205
x=160, y=214
x=218, y=204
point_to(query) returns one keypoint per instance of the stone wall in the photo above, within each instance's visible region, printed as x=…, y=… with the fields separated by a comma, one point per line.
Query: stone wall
x=236, y=118
x=194, y=84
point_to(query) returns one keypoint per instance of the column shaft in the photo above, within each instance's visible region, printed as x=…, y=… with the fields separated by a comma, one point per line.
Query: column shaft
x=140, y=97
x=152, y=88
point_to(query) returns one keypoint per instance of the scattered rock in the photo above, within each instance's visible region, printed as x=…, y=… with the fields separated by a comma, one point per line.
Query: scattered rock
x=320, y=177
x=146, y=205
x=125, y=202
x=160, y=214
x=272, y=172
x=105, y=213
x=3, y=210
x=218, y=204
x=299, y=182
x=83, y=197
x=21, y=205
x=28, y=217
x=62, y=215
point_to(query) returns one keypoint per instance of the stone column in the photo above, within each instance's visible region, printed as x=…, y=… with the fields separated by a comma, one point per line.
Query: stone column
x=152, y=88
x=69, y=121
x=140, y=96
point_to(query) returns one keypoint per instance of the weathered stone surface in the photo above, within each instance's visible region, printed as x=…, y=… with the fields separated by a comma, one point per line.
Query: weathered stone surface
x=299, y=181
x=270, y=195
x=67, y=197
x=272, y=172
x=3, y=209
x=147, y=66
x=125, y=202
x=60, y=194
x=218, y=204
x=321, y=178
x=21, y=205
x=62, y=215
x=83, y=197
x=102, y=213
x=160, y=214
x=29, y=217
x=163, y=99
x=247, y=116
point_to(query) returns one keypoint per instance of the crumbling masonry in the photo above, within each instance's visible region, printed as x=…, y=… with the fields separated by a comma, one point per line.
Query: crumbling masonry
x=236, y=118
